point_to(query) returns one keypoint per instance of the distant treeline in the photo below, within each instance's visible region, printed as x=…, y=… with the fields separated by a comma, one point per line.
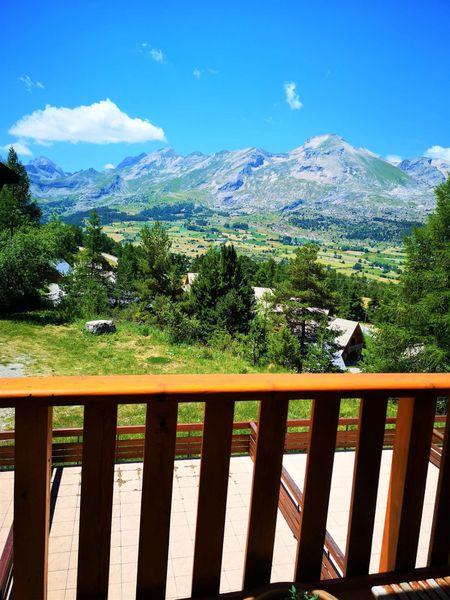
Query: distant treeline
x=161, y=212
x=377, y=229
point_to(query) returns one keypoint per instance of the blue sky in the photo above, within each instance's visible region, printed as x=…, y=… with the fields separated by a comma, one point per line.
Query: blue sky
x=222, y=75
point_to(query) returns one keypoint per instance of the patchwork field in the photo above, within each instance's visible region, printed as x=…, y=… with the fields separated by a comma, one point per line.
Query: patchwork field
x=377, y=260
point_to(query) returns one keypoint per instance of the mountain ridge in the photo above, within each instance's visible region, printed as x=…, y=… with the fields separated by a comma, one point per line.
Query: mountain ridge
x=326, y=174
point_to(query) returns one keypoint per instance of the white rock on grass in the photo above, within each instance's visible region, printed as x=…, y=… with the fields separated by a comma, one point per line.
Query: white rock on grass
x=100, y=326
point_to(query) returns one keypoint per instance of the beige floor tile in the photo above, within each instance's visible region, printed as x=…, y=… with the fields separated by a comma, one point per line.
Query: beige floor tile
x=57, y=580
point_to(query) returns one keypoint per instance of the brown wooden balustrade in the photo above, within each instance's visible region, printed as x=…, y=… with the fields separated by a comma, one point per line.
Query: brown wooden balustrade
x=34, y=398
x=67, y=444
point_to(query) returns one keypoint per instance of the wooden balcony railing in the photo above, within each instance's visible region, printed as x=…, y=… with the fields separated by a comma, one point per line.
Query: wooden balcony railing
x=34, y=398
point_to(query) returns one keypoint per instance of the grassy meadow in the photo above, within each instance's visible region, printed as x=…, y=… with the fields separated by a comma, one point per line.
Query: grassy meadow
x=51, y=349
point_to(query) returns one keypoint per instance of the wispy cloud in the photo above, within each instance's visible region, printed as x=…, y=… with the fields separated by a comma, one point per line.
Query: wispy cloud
x=98, y=123
x=198, y=73
x=20, y=147
x=290, y=90
x=394, y=159
x=438, y=152
x=155, y=53
x=30, y=84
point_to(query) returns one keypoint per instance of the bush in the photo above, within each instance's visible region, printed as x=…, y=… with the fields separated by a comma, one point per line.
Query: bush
x=184, y=329
x=257, y=342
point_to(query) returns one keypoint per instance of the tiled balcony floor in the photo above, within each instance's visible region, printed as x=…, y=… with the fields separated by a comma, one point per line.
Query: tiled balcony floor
x=125, y=525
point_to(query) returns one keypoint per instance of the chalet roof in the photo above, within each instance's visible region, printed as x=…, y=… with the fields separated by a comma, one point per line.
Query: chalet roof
x=346, y=329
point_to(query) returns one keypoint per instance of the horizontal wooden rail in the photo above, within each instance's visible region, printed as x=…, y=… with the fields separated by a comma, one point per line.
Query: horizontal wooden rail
x=130, y=440
x=100, y=443
x=198, y=388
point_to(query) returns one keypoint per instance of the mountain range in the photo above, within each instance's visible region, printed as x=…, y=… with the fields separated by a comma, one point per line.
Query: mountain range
x=326, y=175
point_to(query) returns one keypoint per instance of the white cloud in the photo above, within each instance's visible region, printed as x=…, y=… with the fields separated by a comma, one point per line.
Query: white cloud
x=30, y=84
x=291, y=95
x=438, y=152
x=155, y=53
x=19, y=147
x=98, y=123
x=394, y=159
x=198, y=73
x=108, y=166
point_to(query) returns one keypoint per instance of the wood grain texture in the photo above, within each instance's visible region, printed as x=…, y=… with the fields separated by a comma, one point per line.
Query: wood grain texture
x=32, y=501
x=316, y=490
x=265, y=492
x=366, y=472
x=212, y=498
x=157, y=483
x=407, y=483
x=97, y=481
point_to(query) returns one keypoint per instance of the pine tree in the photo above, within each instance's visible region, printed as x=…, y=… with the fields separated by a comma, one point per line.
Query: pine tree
x=221, y=295
x=127, y=273
x=88, y=287
x=157, y=273
x=304, y=298
x=92, y=240
x=414, y=319
x=16, y=206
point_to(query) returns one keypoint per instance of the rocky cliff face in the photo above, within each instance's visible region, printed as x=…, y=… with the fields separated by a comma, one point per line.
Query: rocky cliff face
x=326, y=174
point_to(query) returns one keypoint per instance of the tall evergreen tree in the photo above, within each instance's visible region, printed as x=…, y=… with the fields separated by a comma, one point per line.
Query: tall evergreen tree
x=304, y=298
x=414, y=319
x=157, y=273
x=221, y=295
x=88, y=287
x=16, y=206
x=127, y=273
x=92, y=240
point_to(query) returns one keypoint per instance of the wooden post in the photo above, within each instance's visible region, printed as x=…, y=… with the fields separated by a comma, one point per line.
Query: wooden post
x=366, y=473
x=212, y=498
x=32, y=500
x=316, y=491
x=439, y=552
x=97, y=479
x=409, y=470
x=265, y=491
x=157, y=483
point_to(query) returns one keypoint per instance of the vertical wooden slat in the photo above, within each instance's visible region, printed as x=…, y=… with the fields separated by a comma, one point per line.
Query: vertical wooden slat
x=409, y=469
x=32, y=500
x=212, y=498
x=265, y=491
x=97, y=482
x=366, y=473
x=439, y=551
x=316, y=491
x=157, y=483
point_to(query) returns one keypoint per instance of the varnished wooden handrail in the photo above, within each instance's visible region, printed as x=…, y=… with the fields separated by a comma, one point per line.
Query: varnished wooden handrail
x=34, y=397
x=188, y=388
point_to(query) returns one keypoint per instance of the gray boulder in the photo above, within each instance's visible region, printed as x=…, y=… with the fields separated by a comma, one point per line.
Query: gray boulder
x=100, y=326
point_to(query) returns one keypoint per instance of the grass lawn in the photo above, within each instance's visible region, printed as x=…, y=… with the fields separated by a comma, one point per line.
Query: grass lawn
x=68, y=349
